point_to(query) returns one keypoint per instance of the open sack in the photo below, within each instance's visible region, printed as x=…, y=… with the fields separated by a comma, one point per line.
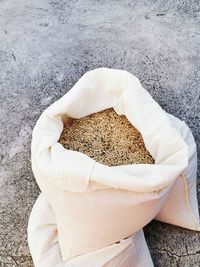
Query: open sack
x=98, y=211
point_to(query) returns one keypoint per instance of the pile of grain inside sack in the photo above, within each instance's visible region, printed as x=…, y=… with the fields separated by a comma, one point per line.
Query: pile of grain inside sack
x=107, y=138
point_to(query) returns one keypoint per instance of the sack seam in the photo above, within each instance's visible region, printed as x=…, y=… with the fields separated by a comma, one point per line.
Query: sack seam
x=188, y=202
x=90, y=173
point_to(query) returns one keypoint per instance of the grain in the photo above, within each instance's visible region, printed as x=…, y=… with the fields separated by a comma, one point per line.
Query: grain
x=107, y=138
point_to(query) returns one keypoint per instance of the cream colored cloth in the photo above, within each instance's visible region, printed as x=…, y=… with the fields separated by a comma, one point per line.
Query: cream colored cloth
x=44, y=247
x=95, y=205
x=181, y=207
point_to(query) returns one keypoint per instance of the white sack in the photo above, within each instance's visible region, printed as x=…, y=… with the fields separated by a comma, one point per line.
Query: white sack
x=45, y=251
x=42, y=228
x=95, y=205
x=181, y=207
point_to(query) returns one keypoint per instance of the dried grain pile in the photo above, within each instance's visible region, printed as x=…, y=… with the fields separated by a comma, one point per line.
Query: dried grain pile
x=107, y=138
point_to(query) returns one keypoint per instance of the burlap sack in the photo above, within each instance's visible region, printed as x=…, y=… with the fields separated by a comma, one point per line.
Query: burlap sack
x=96, y=206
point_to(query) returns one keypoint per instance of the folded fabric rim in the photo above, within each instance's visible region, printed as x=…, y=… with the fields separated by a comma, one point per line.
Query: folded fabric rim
x=97, y=90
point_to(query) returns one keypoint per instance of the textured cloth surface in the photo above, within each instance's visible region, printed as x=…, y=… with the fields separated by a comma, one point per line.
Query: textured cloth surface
x=130, y=252
x=96, y=205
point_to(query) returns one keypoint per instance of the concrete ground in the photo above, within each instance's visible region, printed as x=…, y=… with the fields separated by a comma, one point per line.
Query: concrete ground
x=45, y=47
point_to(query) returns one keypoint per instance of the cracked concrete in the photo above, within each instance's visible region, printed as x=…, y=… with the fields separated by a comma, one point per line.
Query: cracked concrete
x=173, y=246
x=45, y=47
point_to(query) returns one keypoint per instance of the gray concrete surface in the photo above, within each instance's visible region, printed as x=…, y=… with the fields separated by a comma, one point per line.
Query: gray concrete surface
x=45, y=47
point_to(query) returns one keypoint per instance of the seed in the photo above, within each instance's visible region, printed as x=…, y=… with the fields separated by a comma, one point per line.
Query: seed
x=124, y=143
